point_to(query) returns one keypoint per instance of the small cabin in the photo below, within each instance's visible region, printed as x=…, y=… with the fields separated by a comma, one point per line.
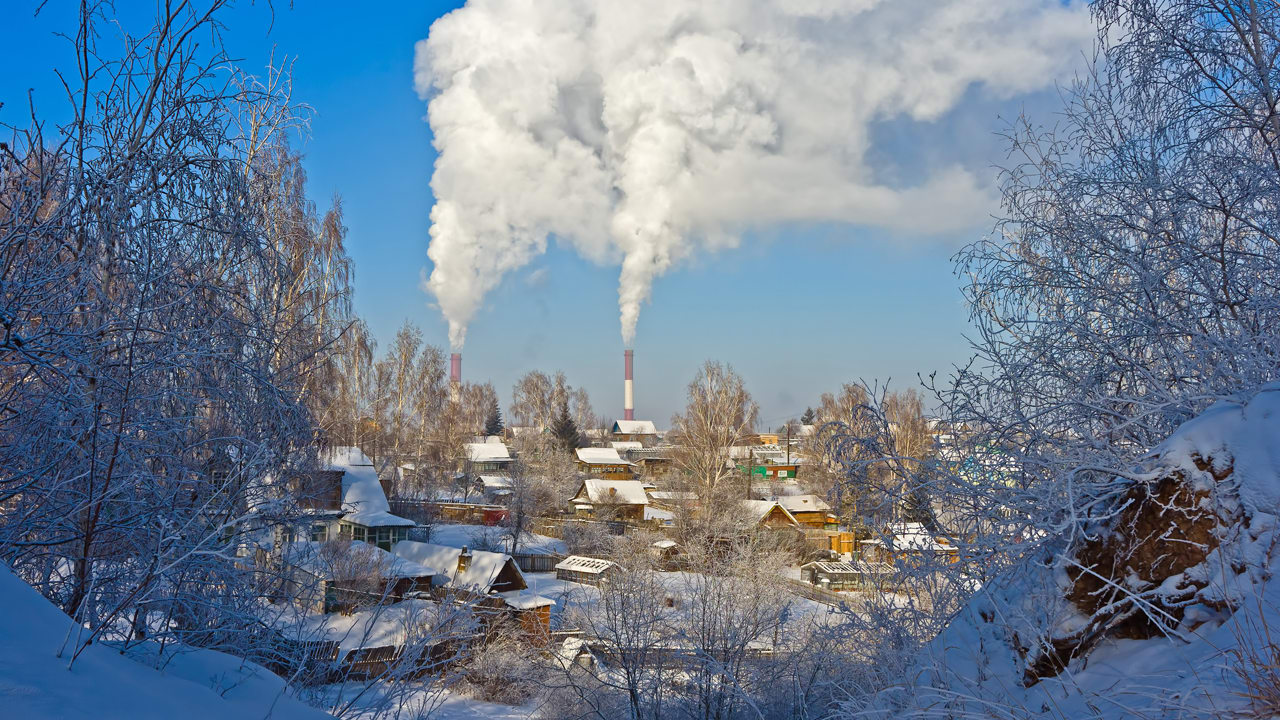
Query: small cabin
x=584, y=570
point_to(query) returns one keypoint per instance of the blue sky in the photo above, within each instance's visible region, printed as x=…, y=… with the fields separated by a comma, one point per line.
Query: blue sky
x=796, y=310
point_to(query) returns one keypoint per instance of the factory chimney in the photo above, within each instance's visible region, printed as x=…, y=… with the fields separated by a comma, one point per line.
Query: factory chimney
x=455, y=376
x=628, y=397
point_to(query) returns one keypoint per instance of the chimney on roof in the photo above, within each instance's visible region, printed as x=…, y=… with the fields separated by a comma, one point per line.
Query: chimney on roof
x=464, y=559
x=628, y=399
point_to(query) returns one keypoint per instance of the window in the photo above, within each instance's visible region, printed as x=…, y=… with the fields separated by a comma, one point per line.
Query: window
x=319, y=532
x=384, y=538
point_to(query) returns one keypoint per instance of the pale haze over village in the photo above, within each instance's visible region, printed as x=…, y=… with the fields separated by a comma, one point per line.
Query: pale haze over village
x=532, y=359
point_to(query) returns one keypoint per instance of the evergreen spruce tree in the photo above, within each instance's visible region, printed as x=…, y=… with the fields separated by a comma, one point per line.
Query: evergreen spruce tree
x=493, y=424
x=564, y=429
x=808, y=417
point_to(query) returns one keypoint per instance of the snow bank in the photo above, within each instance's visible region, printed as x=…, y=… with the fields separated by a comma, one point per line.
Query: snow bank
x=195, y=685
x=1148, y=613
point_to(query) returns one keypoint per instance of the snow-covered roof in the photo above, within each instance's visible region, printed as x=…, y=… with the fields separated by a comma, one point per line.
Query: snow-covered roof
x=488, y=452
x=665, y=544
x=614, y=492
x=673, y=495
x=584, y=564
x=854, y=568
x=759, y=509
x=524, y=599
x=803, y=503
x=480, y=574
x=653, y=513
x=321, y=559
x=635, y=427
x=910, y=537
x=363, y=500
x=625, y=445
x=601, y=456
x=495, y=482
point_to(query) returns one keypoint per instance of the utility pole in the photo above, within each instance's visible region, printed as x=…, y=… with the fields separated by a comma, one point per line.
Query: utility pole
x=788, y=442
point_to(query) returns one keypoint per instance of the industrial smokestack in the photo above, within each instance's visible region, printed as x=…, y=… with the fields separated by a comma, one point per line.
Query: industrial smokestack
x=455, y=376
x=628, y=390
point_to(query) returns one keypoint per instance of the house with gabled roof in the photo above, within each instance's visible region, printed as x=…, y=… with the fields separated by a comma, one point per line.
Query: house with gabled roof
x=493, y=579
x=769, y=514
x=366, y=514
x=624, y=500
x=641, y=431
x=487, y=457
x=605, y=463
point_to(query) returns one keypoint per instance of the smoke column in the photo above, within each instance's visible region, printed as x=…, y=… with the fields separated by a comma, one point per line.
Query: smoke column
x=638, y=133
x=628, y=386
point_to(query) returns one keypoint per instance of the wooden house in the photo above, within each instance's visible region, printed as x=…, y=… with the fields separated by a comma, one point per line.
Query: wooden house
x=623, y=500
x=493, y=579
x=641, y=431
x=488, y=457
x=810, y=511
x=366, y=514
x=339, y=577
x=769, y=515
x=605, y=463
x=901, y=543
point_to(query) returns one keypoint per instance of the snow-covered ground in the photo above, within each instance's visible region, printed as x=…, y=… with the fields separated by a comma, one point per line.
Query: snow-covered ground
x=982, y=665
x=197, y=685
x=484, y=537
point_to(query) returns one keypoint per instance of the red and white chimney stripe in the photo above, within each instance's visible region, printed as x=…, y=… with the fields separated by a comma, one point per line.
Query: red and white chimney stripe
x=628, y=390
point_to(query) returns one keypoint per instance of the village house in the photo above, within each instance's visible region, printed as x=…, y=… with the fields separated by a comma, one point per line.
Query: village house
x=366, y=514
x=605, y=463
x=494, y=488
x=493, y=579
x=584, y=570
x=908, y=542
x=641, y=431
x=623, y=500
x=491, y=456
x=343, y=499
x=769, y=515
x=653, y=462
x=328, y=577
x=810, y=511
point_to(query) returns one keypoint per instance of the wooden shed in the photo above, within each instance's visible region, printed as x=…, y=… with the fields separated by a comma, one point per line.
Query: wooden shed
x=585, y=570
x=846, y=576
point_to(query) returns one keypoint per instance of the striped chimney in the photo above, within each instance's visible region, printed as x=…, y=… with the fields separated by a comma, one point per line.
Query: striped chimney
x=455, y=376
x=628, y=390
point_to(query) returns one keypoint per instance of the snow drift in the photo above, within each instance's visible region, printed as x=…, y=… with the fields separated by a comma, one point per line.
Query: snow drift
x=194, y=685
x=1151, y=611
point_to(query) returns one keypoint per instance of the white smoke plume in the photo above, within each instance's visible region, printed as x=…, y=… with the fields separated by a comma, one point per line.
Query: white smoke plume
x=640, y=132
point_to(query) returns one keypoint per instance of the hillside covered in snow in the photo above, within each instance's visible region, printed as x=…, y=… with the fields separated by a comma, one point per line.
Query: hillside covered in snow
x=1157, y=607
x=35, y=681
